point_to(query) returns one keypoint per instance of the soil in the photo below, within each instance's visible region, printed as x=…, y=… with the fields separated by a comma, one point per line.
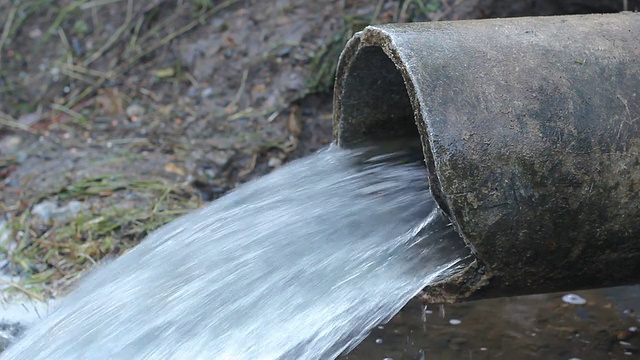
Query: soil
x=117, y=116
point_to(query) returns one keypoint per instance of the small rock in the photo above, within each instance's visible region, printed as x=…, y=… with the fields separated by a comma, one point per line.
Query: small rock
x=625, y=335
x=220, y=158
x=378, y=341
x=35, y=33
x=455, y=322
x=10, y=144
x=574, y=299
x=29, y=119
x=207, y=92
x=274, y=162
x=48, y=210
x=284, y=52
x=135, y=110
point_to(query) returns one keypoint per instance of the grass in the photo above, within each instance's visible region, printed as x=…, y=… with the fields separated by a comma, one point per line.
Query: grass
x=51, y=256
x=324, y=62
x=145, y=29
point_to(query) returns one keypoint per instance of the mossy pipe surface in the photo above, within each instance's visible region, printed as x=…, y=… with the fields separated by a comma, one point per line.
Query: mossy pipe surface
x=530, y=129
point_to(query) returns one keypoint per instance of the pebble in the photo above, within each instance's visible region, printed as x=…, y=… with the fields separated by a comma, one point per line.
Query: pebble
x=135, y=110
x=207, y=92
x=48, y=210
x=274, y=162
x=455, y=322
x=10, y=144
x=625, y=335
x=35, y=33
x=220, y=158
x=574, y=299
x=378, y=341
x=29, y=119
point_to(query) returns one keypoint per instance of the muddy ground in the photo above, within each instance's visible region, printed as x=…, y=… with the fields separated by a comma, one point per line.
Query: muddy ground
x=116, y=116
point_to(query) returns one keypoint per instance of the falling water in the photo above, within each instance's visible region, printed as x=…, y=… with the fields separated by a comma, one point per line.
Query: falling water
x=299, y=264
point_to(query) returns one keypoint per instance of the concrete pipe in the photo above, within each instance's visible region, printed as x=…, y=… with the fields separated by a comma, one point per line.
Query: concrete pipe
x=530, y=128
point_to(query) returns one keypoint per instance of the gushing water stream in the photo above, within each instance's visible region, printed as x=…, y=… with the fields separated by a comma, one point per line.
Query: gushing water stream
x=299, y=264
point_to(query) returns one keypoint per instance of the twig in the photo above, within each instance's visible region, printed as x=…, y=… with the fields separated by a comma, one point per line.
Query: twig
x=24, y=290
x=447, y=11
x=174, y=35
x=7, y=27
x=113, y=37
x=243, y=82
x=374, y=18
x=123, y=67
x=136, y=32
x=97, y=3
x=63, y=13
x=88, y=90
x=76, y=76
x=159, y=26
x=65, y=43
x=86, y=71
x=8, y=120
x=68, y=111
x=252, y=166
x=93, y=262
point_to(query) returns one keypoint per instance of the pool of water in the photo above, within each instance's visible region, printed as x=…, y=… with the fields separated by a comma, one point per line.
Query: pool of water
x=523, y=327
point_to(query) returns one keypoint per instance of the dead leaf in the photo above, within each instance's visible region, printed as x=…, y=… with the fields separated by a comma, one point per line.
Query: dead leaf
x=110, y=102
x=165, y=73
x=294, y=123
x=174, y=169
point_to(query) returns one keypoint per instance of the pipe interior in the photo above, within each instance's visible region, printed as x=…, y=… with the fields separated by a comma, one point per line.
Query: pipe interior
x=375, y=107
x=375, y=102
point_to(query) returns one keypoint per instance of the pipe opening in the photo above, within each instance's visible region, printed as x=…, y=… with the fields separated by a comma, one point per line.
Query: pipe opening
x=375, y=104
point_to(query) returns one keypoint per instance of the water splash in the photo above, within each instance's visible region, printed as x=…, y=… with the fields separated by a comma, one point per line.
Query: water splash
x=299, y=264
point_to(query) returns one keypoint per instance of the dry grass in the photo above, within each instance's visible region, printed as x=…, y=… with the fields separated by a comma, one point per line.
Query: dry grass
x=53, y=255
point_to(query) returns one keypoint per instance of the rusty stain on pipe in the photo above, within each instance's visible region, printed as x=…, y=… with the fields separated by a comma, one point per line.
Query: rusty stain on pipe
x=530, y=129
